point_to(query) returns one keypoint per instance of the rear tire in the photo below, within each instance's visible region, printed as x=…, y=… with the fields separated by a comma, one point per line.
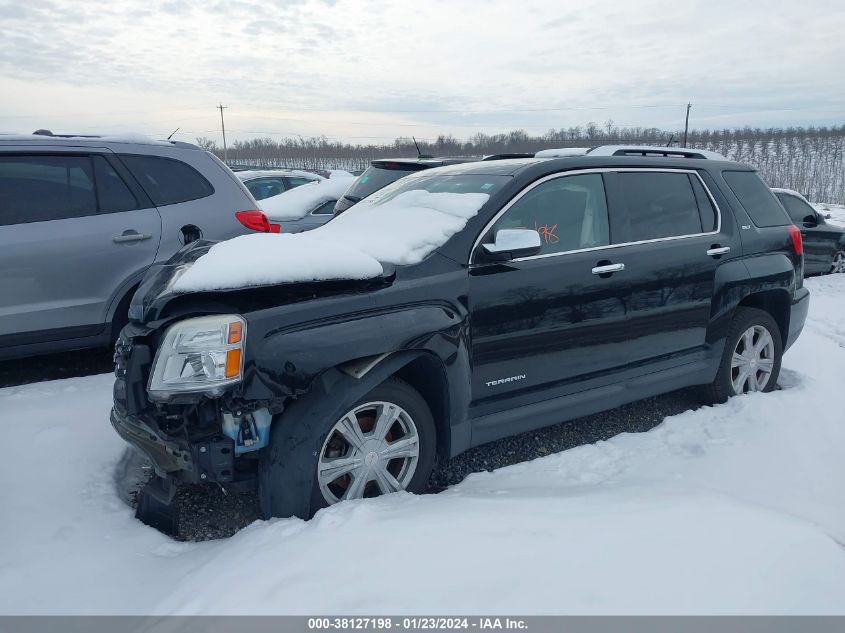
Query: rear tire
x=307, y=467
x=837, y=264
x=751, y=359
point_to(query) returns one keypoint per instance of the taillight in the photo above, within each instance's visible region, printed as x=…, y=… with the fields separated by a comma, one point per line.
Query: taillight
x=797, y=241
x=257, y=221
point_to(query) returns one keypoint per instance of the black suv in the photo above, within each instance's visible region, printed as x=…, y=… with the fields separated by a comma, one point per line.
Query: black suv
x=385, y=171
x=579, y=284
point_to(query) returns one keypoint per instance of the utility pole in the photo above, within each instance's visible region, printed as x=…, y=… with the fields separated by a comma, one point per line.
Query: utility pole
x=221, y=107
x=686, y=124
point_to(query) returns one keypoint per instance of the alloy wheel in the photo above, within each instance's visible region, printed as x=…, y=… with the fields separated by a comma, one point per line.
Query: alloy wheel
x=838, y=263
x=753, y=360
x=371, y=451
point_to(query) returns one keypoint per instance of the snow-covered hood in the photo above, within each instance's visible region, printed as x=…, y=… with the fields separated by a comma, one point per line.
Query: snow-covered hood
x=158, y=286
x=357, y=248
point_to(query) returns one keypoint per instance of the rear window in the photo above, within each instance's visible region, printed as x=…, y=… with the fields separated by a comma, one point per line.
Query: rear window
x=756, y=198
x=373, y=179
x=659, y=205
x=38, y=188
x=167, y=180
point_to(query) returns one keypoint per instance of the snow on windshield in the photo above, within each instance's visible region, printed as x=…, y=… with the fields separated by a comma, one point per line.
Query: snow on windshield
x=403, y=229
x=300, y=201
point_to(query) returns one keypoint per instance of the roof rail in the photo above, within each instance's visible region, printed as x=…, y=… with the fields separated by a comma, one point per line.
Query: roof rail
x=654, y=151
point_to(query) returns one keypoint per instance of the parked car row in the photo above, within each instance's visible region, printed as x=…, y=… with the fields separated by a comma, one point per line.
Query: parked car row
x=109, y=207
x=458, y=305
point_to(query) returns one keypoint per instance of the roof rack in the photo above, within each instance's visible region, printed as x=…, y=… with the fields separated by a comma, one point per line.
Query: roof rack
x=654, y=151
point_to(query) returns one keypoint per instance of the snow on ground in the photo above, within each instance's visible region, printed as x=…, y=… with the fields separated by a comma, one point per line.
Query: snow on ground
x=734, y=509
x=298, y=202
x=836, y=212
x=401, y=230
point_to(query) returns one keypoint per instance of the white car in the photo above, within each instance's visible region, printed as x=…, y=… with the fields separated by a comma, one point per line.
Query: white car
x=271, y=182
x=306, y=207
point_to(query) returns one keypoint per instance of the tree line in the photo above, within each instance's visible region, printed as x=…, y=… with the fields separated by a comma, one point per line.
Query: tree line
x=810, y=160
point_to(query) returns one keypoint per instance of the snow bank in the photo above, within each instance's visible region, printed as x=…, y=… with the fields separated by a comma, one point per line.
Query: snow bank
x=835, y=211
x=248, y=174
x=403, y=230
x=298, y=202
x=733, y=509
x=562, y=152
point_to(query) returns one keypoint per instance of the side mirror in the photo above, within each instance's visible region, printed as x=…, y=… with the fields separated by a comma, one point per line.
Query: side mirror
x=512, y=243
x=811, y=221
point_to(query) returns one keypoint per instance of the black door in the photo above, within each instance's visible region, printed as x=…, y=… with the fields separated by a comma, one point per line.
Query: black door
x=674, y=245
x=542, y=324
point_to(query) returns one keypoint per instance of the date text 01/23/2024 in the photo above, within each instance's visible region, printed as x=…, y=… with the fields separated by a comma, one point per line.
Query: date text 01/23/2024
x=415, y=623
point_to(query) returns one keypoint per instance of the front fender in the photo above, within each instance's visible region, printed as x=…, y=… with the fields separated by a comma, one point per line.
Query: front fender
x=284, y=362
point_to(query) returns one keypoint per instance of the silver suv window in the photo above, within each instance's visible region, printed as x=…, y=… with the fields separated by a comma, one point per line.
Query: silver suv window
x=167, y=180
x=39, y=188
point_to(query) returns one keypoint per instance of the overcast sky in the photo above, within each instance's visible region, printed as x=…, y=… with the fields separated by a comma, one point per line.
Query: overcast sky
x=371, y=71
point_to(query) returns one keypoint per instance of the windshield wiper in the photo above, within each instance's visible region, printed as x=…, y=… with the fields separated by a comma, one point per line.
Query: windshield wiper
x=353, y=198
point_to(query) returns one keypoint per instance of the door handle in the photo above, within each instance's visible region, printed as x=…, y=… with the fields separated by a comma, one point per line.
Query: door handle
x=130, y=236
x=718, y=250
x=608, y=268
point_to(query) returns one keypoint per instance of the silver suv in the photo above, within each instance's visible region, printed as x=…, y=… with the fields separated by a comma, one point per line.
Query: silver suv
x=83, y=218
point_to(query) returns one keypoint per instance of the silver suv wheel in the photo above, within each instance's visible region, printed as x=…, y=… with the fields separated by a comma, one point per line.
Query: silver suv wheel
x=372, y=450
x=753, y=360
x=838, y=263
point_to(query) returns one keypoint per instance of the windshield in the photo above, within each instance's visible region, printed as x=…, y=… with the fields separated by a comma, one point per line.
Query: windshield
x=373, y=179
x=434, y=182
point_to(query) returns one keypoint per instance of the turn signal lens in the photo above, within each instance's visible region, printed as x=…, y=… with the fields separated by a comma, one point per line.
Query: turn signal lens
x=235, y=331
x=233, y=363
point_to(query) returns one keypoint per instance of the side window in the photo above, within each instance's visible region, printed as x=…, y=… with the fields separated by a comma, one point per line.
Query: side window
x=709, y=219
x=113, y=194
x=756, y=198
x=659, y=205
x=38, y=188
x=796, y=208
x=569, y=213
x=327, y=208
x=262, y=188
x=296, y=181
x=167, y=180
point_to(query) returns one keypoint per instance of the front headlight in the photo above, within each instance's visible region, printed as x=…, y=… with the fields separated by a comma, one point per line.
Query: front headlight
x=202, y=354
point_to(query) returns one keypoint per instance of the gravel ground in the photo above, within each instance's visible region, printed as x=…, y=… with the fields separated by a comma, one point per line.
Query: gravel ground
x=87, y=362
x=209, y=512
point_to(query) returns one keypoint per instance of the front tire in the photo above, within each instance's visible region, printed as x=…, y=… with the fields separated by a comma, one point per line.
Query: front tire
x=384, y=443
x=751, y=359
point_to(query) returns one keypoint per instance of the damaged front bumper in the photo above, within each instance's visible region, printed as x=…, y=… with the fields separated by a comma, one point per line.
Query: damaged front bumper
x=193, y=439
x=208, y=460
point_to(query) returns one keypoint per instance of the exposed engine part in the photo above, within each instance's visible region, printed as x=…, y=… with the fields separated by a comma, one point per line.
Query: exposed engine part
x=250, y=431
